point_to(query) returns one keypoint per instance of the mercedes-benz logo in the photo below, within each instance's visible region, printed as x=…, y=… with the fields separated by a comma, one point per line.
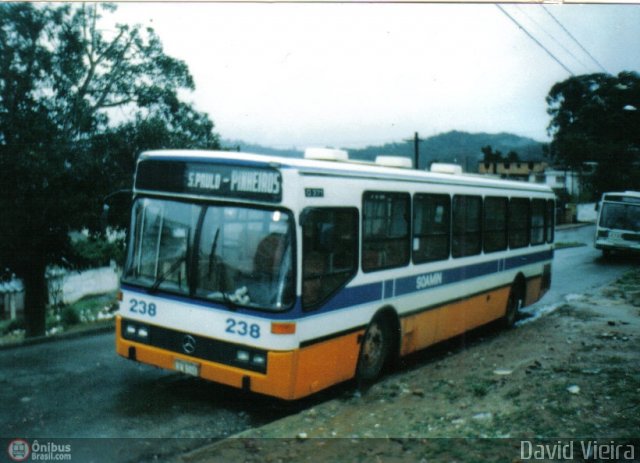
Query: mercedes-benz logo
x=188, y=344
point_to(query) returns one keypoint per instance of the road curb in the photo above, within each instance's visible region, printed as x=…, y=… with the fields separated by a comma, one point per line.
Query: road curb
x=58, y=337
x=570, y=226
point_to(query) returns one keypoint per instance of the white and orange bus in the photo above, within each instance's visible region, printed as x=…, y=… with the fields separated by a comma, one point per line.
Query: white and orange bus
x=286, y=276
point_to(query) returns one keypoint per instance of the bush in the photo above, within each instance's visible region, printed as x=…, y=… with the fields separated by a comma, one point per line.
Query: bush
x=7, y=326
x=69, y=316
x=97, y=251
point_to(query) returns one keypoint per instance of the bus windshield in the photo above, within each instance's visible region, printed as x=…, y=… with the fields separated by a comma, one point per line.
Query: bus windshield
x=620, y=216
x=238, y=256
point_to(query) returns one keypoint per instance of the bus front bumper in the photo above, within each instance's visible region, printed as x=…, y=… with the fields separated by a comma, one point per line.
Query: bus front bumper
x=289, y=375
x=278, y=383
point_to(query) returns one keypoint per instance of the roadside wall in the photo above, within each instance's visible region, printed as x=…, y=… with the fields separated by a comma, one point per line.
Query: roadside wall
x=587, y=212
x=69, y=287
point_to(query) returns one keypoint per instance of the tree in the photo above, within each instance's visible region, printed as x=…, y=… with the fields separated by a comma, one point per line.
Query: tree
x=513, y=156
x=596, y=118
x=491, y=158
x=60, y=75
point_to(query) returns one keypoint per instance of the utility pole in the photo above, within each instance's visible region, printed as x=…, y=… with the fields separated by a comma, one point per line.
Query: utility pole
x=416, y=150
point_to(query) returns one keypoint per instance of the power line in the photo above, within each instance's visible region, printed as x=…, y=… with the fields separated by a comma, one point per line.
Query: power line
x=535, y=40
x=549, y=34
x=574, y=39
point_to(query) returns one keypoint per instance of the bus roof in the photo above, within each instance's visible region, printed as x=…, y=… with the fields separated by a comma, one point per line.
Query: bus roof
x=633, y=194
x=350, y=168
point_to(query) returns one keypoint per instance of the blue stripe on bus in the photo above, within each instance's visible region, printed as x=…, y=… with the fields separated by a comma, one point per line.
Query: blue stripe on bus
x=380, y=290
x=388, y=289
x=408, y=285
x=354, y=295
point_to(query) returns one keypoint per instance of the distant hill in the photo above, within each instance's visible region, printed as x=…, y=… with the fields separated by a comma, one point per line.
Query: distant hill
x=453, y=147
x=259, y=149
x=457, y=147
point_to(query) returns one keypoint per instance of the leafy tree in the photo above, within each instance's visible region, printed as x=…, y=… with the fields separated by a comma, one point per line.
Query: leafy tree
x=596, y=117
x=60, y=75
x=512, y=156
x=492, y=158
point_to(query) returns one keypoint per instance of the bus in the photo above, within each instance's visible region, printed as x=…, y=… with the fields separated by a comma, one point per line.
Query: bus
x=284, y=276
x=618, y=225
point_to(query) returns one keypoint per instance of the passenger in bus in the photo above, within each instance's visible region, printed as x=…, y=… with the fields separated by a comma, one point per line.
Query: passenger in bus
x=267, y=269
x=268, y=257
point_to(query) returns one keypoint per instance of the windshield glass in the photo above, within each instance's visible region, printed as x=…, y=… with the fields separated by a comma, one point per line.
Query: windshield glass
x=620, y=216
x=234, y=255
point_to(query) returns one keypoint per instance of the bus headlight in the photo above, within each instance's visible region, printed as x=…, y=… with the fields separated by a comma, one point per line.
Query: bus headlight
x=242, y=356
x=603, y=233
x=135, y=332
x=259, y=359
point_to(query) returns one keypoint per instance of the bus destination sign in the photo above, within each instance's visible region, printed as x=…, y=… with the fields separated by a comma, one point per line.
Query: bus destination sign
x=232, y=181
x=220, y=180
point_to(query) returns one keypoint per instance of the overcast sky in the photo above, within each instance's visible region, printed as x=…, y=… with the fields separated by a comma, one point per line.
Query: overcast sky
x=351, y=75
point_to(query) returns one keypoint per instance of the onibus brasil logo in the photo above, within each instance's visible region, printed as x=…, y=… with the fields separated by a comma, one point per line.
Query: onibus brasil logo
x=21, y=450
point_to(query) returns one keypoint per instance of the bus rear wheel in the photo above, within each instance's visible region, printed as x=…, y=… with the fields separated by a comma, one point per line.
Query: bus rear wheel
x=374, y=351
x=514, y=304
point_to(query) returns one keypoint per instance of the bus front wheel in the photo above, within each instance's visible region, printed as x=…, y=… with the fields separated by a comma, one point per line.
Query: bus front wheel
x=374, y=350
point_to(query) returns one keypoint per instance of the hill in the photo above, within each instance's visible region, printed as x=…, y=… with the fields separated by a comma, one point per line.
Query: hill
x=239, y=145
x=457, y=147
x=454, y=147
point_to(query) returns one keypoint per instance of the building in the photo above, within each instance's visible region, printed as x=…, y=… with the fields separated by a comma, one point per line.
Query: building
x=561, y=180
x=11, y=299
x=513, y=170
x=565, y=182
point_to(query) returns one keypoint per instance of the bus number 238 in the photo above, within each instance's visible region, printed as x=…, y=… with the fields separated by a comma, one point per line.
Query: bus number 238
x=242, y=328
x=142, y=307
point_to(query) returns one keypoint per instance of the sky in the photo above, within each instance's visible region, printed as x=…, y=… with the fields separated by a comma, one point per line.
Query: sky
x=351, y=75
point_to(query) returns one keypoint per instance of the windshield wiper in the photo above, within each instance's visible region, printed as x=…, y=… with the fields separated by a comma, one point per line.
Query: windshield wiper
x=169, y=271
x=212, y=254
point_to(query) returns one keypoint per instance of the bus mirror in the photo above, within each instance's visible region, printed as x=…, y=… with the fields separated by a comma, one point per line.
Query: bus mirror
x=597, y=207
x=104, y=218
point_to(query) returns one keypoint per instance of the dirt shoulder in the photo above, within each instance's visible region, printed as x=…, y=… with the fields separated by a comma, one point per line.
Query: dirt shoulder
x=572, y=374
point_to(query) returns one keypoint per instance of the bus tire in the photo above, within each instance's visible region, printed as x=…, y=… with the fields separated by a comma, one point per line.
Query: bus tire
x=375, y=350
x=514, y=304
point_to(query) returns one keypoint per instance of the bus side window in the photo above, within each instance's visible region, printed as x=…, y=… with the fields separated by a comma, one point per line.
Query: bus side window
x=467, y=228
x=329, y=252
x=431, y=224
x=385, y=230
x=518, y=223
x=495, y=224
x=538, y=210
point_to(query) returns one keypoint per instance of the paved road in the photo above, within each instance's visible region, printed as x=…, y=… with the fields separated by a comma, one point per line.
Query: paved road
x=80, y=388
x=578, y=270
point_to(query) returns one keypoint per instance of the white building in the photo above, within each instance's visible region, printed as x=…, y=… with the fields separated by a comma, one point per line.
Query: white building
x=567, y=180
x=11, y=299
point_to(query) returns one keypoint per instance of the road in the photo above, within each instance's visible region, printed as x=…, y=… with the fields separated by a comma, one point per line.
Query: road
x=79, y=388
x=577, y=270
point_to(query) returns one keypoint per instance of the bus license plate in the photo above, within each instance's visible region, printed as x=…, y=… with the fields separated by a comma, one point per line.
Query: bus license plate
x=189, y=368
